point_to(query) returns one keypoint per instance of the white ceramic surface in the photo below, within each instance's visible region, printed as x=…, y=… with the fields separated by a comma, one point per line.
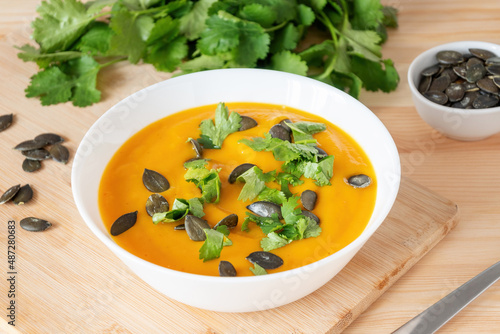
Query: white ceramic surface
x=234, y=294
x=460, y=124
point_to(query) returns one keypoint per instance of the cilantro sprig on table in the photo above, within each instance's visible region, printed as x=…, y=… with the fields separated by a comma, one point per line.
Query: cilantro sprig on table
x=76, y=40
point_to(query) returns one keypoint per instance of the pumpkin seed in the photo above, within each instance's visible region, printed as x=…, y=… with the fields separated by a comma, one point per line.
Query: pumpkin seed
x=475, y=72
x=461, y=71
x=496, y=81
x=266, y=260
x=197, y=148
x=278, y=131
x=265, y=209
x=33, y=224
x=123, y=223
x=154, y=181
x=238, y=171
x=247, y=123
x=455, y=92
x=473, y=60
x=311, y=215
x=5, y=121
x=492, y=61
x=308, y=199
x=9, y=194
x=482, y=54
x=50, y=138
x=448, y=57
x=29, y=145
x=226, y=269
x=485, y=101
x=230, y=221
x=59, y=153
x=180, y=227
x=23, y=196
x=38, y=154
x=487, y=85
x=494, y=69
x=439, y=84
x=30, y=165
x=436, y=97
x=425, y=83
x=359, y=181
x=450, y=73
x=430, y=71
x=195, y=226
x=470, y=87
x=156, y=203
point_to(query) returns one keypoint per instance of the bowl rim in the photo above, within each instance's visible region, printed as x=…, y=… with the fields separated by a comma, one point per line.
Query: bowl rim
x=417, y=60
x=358, y=242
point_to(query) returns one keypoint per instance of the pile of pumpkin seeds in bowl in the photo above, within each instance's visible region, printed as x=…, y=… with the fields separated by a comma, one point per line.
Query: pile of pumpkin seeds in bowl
x=465, y=81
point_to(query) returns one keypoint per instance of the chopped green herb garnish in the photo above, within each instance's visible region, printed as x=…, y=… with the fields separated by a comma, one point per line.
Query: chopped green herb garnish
x=180, y=209
x=213, y=134
x=207, y=180
x=215, y=241
x=258, y=270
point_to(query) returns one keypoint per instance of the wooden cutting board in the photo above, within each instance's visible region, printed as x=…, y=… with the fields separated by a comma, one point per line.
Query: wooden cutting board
x=68, y=282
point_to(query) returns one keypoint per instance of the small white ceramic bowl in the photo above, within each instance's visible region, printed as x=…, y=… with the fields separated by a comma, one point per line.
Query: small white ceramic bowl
x=234, y=294
x=460, y=124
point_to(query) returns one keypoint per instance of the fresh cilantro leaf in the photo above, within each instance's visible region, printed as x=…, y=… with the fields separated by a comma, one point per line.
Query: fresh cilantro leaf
x=253, y=45
x=364, y=43
x=212, y=246
x=267, y=224
x=321, y=171
x=282, y=150
x=288, y=62
x=196, y=207
x=180, y=209
x=258, y=13
x=312, y=230
x=202, y=63
x=258, y=270
x=96, y=6
x=305, y=14
x=315, y=54
x=225, y=124
x=223, y=229
x=75, y=80
x=367, y=14
x=193, y=23
x=255, y=182
x=96, y=40
x=272, y=195
x=220, y=35
x=318, y=4
x=390, y=18
x=139, y=4
x=273, y=241
x=163, y=31
x=131, y=33
x=290, y=210
x=60, y=24
x=303, y=131
x=51, y=85
x=166, y=57
x=285, y=39
x=374, y=76
x=207, y=180
x=348, y=82
x=30, y=53
x=198, y=163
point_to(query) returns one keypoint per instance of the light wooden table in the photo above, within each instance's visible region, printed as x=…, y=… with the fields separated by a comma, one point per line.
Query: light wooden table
x=467, y=173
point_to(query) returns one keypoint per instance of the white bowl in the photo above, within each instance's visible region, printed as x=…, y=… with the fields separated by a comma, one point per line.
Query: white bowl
x=461, y=124
x=234, y=294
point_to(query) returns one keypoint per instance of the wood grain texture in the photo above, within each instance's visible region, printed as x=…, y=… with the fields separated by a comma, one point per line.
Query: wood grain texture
x=51, y=290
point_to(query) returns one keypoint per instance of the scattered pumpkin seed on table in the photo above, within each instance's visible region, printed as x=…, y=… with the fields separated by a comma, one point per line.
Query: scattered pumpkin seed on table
x=24, y=195
x=9, y=194
x=5, y=121
x=33, y=224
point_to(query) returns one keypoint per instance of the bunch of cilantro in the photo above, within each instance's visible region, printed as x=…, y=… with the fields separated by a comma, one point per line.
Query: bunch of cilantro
x=76, y=40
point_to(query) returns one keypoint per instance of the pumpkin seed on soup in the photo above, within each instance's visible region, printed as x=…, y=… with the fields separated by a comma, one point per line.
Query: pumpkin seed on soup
x=123, y=223
x=154, y=181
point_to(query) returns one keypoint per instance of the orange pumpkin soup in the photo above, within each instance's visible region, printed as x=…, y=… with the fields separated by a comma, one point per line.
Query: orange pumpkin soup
x=343, y=210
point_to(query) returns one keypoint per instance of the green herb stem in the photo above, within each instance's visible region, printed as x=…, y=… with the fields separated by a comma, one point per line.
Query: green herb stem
x=277, y=27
